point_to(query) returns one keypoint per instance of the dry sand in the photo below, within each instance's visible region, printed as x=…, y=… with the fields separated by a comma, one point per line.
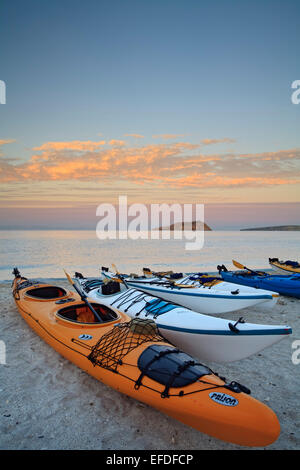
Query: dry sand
x=48, y=403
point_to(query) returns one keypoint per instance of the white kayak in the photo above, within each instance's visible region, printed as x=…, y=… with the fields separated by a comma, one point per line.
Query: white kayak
x=203, y=294
x=208, y=338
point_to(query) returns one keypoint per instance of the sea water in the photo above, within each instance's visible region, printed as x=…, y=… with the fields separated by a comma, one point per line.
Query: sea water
x=44, y=254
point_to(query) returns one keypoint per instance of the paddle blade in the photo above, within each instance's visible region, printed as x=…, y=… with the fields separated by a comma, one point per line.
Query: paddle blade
x=116, y=279
x=238, y=265
x=69, y=278
x=115, y=268
x=121, y=279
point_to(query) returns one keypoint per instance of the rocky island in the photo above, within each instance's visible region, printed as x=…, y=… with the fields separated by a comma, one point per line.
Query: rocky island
x=193, y=226
x=276, y=228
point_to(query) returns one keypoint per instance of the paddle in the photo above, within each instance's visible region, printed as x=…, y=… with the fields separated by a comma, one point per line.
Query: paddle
x=106, y=279
x=168, y=280
x=119, y=276
x=158, y=274
x=241, y=266
x=83, y=297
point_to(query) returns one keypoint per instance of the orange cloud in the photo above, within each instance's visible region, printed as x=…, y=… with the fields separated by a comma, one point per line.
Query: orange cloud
x=167, y=136
x=78, y=145
x=136, y=136
x=6, y=141
x=117, y=143
x=165, y=165
x=217, y=141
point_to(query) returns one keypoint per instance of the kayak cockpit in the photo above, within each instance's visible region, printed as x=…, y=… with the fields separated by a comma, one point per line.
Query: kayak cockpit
x=80, y=313
x=47, y=292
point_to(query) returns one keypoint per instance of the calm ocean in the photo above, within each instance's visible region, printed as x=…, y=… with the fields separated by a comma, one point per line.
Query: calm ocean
x=44, y=254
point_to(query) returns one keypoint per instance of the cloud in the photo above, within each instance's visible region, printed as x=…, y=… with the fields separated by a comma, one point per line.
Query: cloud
x=203, y=142
x=6, y=141
x=217, y=141
x=205, y=181
x=167, y=136
x=117, y=143
x=136, y=136
x=78, y=145
x=164, y=165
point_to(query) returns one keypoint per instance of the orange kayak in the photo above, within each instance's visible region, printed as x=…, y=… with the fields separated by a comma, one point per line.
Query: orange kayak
x=131, y=357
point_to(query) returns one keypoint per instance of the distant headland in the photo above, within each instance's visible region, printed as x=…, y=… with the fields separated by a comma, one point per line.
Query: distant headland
x=276, y=228
x=193, y=226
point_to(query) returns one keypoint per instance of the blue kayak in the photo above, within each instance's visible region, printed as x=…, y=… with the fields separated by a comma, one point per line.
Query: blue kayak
x=284, y=285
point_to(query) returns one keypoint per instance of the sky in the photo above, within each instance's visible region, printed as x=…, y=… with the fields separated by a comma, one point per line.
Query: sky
x=163, y=101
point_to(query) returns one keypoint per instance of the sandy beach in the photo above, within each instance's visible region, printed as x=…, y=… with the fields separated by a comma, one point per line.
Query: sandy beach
x=48, y=403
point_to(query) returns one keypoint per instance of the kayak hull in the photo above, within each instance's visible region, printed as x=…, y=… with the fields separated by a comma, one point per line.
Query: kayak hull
x=284, y=285
x=218, y=348
x=209, y=302
x=207, y=405
x=205, y=337
x=210, y=299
